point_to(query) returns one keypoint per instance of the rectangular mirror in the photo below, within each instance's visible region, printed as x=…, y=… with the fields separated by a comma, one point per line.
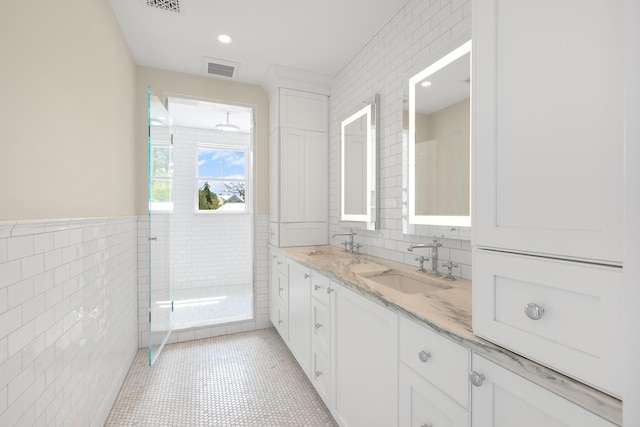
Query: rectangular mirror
x=359, y=166
x=437, y=146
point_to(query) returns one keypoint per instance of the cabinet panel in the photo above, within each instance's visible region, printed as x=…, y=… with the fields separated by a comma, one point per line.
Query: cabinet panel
x=365, y=370
x=316, y=182
x=304, y=110
x=320, y=288
x=505, y=400
x=321, y=375
x=580, y=328
x=442, y=362
x=292, y=175
x=299, y=314
x=274, y=176
x=421, y=404
x=548, y=153
x=320, y=326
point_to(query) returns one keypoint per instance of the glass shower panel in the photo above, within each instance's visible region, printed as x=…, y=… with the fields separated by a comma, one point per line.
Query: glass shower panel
x=160, y=185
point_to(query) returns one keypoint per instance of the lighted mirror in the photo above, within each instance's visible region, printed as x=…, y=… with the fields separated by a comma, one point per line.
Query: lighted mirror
x=437, y=146
x=359, y=167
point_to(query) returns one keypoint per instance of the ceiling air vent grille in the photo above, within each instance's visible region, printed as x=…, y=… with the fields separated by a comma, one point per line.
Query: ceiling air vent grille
x=220, y=68
x=168, y=5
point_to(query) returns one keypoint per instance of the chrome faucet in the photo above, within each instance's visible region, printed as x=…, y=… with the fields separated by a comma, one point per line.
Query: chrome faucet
x=348, y=245
x=434, y=254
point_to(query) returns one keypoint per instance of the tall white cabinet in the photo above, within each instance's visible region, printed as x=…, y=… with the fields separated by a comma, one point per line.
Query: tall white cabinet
x=299, y=168
x=548, y=111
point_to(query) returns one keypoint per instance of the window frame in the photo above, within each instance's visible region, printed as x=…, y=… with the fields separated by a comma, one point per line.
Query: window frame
x=245, y=148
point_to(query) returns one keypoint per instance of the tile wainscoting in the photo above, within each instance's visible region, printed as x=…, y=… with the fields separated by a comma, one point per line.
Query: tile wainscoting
x=67, y=318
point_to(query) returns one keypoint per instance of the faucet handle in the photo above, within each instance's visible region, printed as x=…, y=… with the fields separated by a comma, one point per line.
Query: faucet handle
x=450, y=265
x=436, y=243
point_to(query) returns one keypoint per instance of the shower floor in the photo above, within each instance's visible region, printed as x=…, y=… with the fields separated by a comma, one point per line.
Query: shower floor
x=209, y=305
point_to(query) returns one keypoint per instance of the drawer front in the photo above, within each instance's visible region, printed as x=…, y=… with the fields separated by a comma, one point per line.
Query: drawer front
x=320, y=288
x=321, y=375
x=563, y=314
x=505, y=399
x=439, y=360
x=320, y=326
x=281, y=322
x=421, y=404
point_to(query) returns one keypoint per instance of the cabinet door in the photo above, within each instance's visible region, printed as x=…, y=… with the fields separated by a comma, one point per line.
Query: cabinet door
x=274, y=176
x=548, y=127
x=303, y=110
x=505, y=400
x=421, y=404
x=292, y=175
x=365, y=362
x=299, y=315
x=316, y=181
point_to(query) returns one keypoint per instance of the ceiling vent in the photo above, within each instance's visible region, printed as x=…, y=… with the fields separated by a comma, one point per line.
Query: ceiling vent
x=166, y=5
x=220, y=68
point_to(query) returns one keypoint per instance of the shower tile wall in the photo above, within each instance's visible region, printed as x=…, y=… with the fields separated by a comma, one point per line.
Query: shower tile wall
x=261, y=294
x=206, y=249
x=67, y=318
x=421, y=27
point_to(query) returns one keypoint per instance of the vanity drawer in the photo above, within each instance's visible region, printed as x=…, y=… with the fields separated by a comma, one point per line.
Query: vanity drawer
x=320, y=286
x=321, y=375
x=437, y=359
x=563, y=314
x=320, y=326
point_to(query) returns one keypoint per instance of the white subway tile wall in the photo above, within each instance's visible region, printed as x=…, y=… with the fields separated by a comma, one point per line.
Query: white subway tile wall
x=260, y=295
x=67, y=318
x=405, y=42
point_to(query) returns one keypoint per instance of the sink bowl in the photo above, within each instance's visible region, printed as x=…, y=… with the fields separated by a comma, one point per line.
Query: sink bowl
x=406, y=284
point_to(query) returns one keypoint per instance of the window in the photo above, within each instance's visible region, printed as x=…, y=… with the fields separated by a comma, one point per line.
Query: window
x=222, y=179
x=161, y=178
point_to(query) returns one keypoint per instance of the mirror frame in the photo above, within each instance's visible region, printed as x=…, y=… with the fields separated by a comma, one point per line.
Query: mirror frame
x=436, y=220
x=371, y=217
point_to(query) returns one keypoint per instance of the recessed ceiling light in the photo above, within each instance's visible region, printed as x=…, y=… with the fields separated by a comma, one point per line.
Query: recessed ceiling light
x=426, y=83
x=224, y=38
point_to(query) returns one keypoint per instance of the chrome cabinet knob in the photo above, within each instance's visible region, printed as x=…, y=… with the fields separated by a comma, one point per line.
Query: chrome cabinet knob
x=281, y=289
x=318, y=373
x=533, y=311
x=424, y=356
x=279, y=262
x=476, y=378
x=329, y=290
x=306, y=276
x=316, y=287
x=280, y=322
x=274, y=256
x=318, y=326
x=425, y=425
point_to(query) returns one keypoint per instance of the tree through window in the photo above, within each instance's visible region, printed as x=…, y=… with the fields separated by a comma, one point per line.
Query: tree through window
x=222, y=179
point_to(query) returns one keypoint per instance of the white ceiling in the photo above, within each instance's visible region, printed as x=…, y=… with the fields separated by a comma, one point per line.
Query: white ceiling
x=308, y=35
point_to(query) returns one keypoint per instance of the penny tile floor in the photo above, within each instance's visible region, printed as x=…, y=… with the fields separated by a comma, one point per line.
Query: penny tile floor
x=245, y=379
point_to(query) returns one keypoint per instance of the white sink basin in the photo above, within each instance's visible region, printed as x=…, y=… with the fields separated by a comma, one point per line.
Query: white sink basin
x=406, y=284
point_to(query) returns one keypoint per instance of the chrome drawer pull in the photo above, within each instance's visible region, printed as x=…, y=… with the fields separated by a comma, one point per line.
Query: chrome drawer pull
x=318, y=326
x=533, y=311
x=316, y=287
x=425, y=425
x=424, y=356
x=329, y=290
x=476, y=378
x=318, y=373
x=306, y=276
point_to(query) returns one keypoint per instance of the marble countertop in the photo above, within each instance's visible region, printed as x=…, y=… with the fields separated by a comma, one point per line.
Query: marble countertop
x=445, y=307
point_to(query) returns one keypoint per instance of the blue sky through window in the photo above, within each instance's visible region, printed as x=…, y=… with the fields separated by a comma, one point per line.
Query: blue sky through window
x=227, y=164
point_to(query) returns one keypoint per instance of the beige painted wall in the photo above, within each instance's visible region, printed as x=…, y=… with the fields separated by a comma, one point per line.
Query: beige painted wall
x=67, y=112
x=166, y=83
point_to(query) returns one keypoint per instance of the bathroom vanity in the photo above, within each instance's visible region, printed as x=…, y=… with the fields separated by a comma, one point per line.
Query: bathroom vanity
x=386, y=345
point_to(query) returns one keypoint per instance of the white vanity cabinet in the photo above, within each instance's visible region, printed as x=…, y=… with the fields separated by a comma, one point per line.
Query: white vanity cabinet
x=299, y=163
x=504, y=399
x=548, y=183
x=299, y=313
x=434, y=384
x=548, y=132
x=278, y=291
x=364, y=362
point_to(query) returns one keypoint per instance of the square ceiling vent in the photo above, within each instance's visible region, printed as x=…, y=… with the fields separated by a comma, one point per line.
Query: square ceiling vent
x=166, y=5
x=220, y=68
